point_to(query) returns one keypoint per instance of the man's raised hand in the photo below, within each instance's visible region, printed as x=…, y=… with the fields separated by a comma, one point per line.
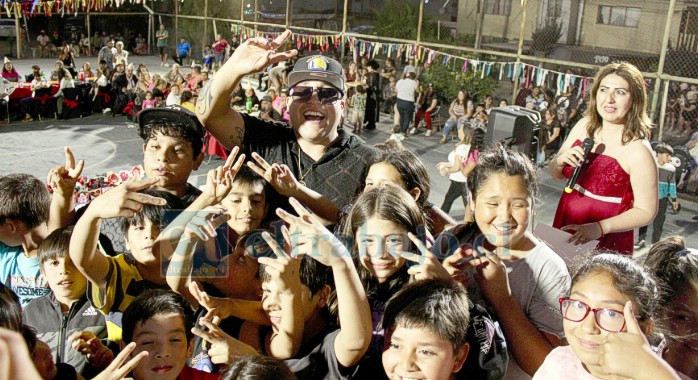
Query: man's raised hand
x=255, y=54
x=279, y=176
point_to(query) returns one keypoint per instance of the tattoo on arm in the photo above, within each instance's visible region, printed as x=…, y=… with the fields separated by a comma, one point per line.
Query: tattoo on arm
x=205, y=99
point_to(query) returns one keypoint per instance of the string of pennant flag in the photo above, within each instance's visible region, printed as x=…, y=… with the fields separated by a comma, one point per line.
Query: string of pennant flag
x=15, y=9
x=528, y=75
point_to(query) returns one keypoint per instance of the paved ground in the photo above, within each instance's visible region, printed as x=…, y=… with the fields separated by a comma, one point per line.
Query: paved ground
x=107, y=144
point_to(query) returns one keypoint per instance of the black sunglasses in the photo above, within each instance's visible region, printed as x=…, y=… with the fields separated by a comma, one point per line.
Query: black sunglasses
x=327, y=95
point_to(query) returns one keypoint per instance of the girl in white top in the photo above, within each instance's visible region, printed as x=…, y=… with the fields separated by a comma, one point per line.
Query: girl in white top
x=453, y=167
x=65, y=81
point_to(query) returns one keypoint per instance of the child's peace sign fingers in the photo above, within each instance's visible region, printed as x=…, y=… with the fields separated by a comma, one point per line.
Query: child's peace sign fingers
x=73, y=170
x=492, y=276
x=135, y=185
x=429, y=265
x=228, y=165
x=119, y=368
x=423, y=249
x=276, y=248
x=304, y=213
x=224, y=348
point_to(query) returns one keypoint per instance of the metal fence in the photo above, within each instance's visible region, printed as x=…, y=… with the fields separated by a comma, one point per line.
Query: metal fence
x=520, y=44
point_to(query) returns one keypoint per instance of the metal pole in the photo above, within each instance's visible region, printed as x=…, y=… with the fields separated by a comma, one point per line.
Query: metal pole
x=89, y=31
x=520, y=49
x=18, y=35
x=421, y=17
x=345, y=14
x=480, y=21
x=256, y=15
x=205, y=36
x=662, y=56
x=150, y=32
x=663, y=112
x=288, y=13
x=176, y=36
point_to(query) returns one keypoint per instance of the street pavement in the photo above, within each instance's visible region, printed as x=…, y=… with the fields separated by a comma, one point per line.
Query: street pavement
x=106, y=143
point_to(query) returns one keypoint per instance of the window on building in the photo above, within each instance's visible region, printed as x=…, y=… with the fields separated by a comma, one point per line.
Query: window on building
x=498, y=7
x=554, y=9
x=619, y=16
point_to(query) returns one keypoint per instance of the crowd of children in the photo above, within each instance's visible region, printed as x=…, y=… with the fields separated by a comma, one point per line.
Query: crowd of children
x=259, y=276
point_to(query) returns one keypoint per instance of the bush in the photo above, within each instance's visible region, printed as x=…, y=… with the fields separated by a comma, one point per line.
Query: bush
x=448, y=81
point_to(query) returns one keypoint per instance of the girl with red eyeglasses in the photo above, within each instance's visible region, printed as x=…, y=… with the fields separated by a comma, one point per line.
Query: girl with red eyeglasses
x=607, y=318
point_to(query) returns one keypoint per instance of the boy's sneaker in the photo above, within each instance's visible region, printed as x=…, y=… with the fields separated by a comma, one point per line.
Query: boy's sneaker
x=106, y=111
x=162, y=64
x=428, y=134
x=640, y=244
x=167, y=64
x=413, y=131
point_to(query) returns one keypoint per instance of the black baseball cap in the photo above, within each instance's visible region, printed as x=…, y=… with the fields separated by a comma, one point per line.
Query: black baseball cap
x=171, y=114
x=317, y=67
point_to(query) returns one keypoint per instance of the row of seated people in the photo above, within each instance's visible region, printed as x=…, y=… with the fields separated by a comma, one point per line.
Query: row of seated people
x=120, y=91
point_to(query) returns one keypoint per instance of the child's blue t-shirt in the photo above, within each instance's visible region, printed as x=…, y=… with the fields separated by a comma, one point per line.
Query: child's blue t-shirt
x=21, y=274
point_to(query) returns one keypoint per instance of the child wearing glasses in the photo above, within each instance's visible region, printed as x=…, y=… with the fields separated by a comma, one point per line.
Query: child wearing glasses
x=607, y=316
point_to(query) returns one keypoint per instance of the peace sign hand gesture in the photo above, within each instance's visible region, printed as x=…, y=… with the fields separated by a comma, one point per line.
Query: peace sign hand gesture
x=219, y=181
x=491, y=275
x=120, y=368
x=255, y=54
x=280, y=177
x=124, y=200
x=310, y=237
x=63, y=178
x=224, y=348
x=429, y=265
x=285, y=269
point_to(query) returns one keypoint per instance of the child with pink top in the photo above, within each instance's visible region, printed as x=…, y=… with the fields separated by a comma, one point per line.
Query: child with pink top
x=607, y=318
x=149, y=102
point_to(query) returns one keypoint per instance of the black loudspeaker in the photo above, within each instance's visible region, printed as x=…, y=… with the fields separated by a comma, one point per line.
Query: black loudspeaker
x=514, y=127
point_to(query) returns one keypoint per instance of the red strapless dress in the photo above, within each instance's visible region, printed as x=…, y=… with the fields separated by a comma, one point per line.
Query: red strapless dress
x=602, y=191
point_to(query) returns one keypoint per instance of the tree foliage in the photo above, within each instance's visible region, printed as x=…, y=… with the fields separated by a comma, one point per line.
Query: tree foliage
x=448, y=80
x=399, y=19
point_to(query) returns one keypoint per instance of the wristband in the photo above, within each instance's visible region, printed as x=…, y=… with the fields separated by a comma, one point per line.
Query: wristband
x=600, y=228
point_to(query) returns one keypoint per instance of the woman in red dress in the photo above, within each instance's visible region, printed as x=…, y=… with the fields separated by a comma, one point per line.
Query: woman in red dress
x=616, y=190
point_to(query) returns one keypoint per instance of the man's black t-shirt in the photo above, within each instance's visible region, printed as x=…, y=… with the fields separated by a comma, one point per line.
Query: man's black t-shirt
x=336, y=175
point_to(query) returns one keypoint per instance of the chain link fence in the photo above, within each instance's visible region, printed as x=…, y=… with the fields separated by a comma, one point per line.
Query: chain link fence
x=517, y=45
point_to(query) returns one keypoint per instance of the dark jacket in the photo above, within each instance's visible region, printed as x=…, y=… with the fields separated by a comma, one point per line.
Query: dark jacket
x=53, y=328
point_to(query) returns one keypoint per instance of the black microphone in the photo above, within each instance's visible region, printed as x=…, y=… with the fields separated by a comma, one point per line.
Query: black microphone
x=586, y=145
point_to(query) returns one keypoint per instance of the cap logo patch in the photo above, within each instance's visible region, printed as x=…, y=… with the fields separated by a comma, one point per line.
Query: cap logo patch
x=318, y=63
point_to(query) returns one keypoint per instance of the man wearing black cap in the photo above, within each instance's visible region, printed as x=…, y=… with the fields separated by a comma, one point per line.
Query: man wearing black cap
x=267, y=111
x=319, y=152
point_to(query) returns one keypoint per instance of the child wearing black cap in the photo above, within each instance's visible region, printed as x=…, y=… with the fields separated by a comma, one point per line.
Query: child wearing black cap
x=172, y=149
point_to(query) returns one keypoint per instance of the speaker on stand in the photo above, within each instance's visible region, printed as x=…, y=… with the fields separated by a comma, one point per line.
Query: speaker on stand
x=514, y=127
